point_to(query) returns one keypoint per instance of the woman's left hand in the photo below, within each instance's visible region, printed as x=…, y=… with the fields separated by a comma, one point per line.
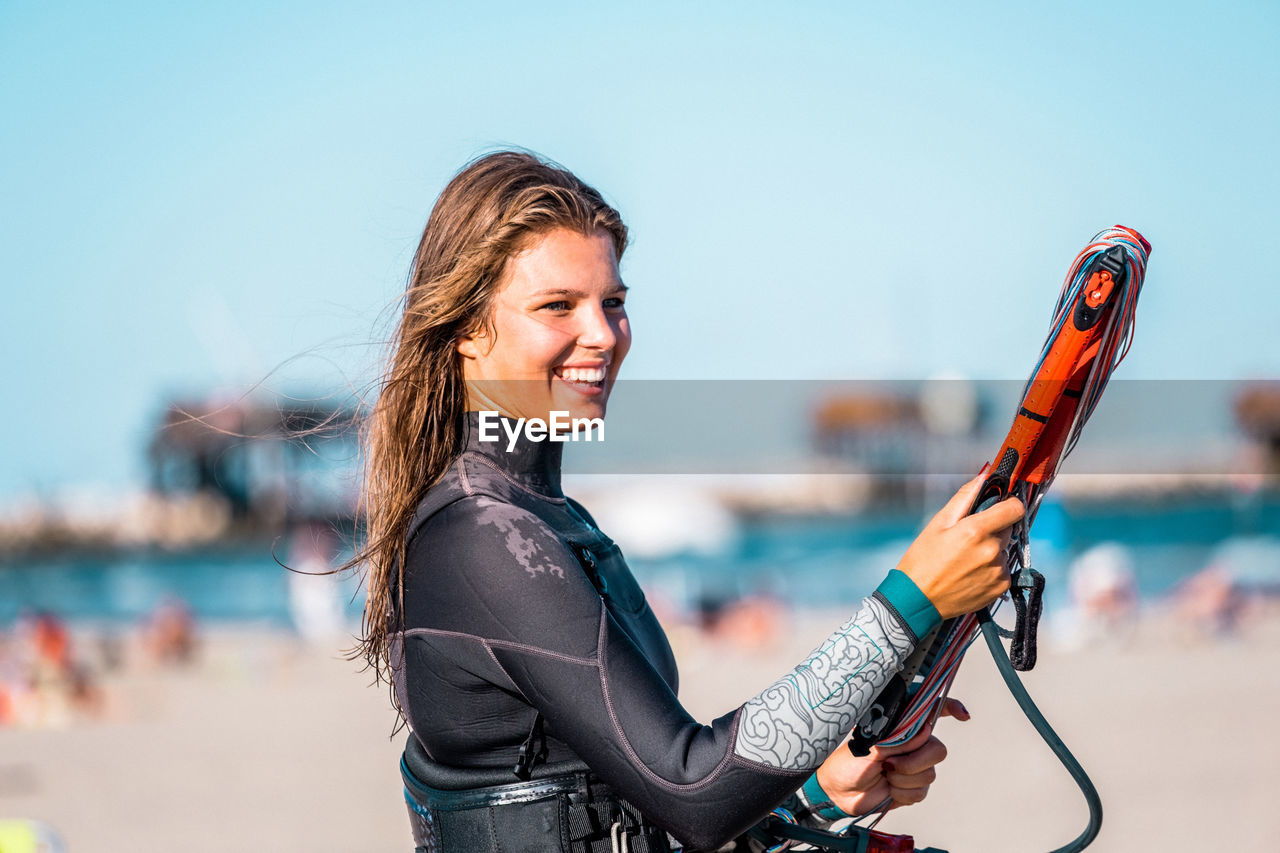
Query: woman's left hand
x=904, y=773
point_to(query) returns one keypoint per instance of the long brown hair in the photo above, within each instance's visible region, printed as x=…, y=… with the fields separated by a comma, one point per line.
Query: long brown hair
x=494, y=208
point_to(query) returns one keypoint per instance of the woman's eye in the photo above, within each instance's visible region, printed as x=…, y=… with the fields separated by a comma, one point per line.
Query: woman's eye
x=559, y=305
x=614, y=304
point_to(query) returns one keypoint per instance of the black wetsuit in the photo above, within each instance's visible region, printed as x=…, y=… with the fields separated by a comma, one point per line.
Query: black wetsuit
x=515, y=605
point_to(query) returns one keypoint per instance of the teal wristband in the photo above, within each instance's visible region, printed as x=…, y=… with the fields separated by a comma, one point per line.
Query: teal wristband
x=819, y=801
x=915, y=608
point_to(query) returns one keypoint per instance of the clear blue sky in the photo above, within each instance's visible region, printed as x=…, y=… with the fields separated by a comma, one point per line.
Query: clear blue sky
x=193, y=194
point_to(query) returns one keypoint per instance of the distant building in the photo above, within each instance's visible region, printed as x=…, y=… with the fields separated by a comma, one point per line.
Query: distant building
x=880, y=431
x=891, y=433
x=272, y=462
x=1258, y=414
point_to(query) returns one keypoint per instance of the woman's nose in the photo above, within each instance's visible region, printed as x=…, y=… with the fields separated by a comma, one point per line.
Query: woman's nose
x=596, y=331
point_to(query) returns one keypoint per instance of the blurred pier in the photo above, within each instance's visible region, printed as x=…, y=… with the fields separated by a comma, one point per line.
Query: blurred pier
x=221, y=475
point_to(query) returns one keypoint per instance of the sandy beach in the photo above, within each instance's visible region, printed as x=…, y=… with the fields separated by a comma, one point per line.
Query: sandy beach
x=265, y=744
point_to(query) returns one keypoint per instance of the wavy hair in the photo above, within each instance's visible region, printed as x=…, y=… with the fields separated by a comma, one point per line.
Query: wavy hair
x=497, y=206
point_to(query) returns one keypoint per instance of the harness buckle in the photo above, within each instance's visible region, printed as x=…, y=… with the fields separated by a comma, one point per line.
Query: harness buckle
x=530, y=755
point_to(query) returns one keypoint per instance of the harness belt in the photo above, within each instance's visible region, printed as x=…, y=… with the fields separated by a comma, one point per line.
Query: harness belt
x=561, y=808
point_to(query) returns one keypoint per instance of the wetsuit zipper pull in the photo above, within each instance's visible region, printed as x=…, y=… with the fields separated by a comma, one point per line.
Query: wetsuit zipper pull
x=588, y=561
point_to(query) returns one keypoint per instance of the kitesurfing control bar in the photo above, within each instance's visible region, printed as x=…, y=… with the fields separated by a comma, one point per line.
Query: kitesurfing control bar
x=1090, y=333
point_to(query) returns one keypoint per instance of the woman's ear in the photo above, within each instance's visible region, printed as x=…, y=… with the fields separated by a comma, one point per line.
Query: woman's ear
x=469, y=345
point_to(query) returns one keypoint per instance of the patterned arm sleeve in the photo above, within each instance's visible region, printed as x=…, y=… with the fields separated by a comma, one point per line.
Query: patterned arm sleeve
x=796, y=723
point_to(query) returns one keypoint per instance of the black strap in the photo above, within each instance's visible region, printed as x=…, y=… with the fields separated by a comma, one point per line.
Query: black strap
x=1028, y=600
x=569, y=813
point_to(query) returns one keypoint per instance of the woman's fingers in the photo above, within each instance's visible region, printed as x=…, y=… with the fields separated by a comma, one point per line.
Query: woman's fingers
x=923, y=779
x=961, y=501
x=910, y=769
x=914, y=781
x=874, y=796
x=844, y=773
x=864, y=800
x=908, y=796
x=959, y=561
x=997, y=518
x=917, y=740
x=954, y=708
x=857, y=776
x=932, y=752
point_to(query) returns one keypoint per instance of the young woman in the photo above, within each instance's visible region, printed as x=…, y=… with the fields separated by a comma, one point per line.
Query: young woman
x=538, y=686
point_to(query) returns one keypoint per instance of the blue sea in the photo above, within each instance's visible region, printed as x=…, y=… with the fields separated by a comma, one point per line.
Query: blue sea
x=816, y=561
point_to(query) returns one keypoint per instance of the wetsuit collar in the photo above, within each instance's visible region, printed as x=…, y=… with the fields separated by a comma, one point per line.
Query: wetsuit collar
x=533, y=464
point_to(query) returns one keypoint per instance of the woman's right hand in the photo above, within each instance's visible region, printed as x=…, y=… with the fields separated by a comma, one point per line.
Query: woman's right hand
x=958, y=560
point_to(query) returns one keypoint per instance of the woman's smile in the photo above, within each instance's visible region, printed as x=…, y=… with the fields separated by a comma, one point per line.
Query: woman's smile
x=586, y=379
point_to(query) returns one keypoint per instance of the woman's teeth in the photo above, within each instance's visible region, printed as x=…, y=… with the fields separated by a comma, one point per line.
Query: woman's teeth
x=586, y=375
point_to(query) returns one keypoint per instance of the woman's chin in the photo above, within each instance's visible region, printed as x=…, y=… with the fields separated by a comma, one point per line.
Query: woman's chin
x=579, y=400
x=590, y=411
x=576, y=409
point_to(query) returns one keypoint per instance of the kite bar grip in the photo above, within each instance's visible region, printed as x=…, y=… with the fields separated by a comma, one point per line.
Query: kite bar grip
x=996, y=487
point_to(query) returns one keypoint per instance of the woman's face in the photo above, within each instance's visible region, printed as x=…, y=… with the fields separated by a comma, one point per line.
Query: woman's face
x=560, y=331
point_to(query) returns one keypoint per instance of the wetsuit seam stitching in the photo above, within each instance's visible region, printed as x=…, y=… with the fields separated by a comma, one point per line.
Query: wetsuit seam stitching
x=489, y=643
x=464, y=480
x=493, y=831
x=479, y=457
x=535, y=650
x=502, y=669
x=626, y=743
x=438, y=632
x=754, y=765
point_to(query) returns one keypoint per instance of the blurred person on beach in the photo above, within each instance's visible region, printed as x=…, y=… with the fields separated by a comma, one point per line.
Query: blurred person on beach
x=1104, y=598
x=315, y=598
x=748, y=622
x=42, y=684
x=520, y=650
x=170, y=634
x=1208, y=605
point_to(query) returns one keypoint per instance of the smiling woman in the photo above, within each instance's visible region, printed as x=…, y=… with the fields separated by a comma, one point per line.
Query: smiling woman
x=538, y=686
x=481, y=229
x=552, y=348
